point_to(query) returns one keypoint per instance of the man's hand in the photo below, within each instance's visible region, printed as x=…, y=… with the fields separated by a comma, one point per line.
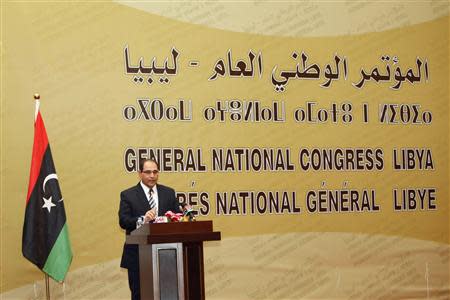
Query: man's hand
x=150, y=215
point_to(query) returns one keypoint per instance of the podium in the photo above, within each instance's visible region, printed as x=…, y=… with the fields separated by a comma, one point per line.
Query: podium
x=171, y=259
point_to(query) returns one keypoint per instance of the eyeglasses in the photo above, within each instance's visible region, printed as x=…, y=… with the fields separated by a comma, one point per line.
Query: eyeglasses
x=148, y=172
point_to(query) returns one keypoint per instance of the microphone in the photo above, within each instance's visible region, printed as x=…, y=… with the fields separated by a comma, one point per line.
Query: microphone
x=188, y=211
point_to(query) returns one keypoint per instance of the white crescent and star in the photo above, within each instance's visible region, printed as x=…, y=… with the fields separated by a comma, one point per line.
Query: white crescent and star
x=48, y=204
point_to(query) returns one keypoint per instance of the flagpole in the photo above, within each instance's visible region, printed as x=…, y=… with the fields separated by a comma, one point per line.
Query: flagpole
x=47, y=280
x=47, y=287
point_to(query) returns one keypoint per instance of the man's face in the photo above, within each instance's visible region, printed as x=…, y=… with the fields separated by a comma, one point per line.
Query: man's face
x=149, y=174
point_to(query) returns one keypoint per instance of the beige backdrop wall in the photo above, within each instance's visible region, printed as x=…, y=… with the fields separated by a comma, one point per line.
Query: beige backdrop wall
x=73, y=54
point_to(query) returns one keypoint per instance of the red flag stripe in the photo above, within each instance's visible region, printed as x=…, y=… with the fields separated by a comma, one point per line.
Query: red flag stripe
x=39, y=146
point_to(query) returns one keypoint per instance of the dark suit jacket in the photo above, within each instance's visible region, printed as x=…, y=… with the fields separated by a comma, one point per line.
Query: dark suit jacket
x=133, y=204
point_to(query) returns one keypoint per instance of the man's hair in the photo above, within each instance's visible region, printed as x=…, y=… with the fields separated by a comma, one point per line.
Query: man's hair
x=143, y=161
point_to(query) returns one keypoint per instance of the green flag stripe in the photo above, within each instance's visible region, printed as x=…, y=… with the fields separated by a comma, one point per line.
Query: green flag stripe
x=60, y=256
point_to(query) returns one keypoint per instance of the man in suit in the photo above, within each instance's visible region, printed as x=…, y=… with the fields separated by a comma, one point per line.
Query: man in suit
x=143, y=202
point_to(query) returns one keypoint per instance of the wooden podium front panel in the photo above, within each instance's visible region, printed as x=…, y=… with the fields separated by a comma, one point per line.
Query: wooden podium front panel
x=146, y=272
x=194, y=271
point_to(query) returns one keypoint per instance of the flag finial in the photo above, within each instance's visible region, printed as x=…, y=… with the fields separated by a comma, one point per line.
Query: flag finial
x=37, y=96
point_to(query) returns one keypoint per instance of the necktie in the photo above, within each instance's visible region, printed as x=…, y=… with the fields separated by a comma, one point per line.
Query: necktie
x=151, y=200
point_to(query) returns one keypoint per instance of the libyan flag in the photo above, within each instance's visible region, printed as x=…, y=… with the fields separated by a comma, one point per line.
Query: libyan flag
x=45, y=239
